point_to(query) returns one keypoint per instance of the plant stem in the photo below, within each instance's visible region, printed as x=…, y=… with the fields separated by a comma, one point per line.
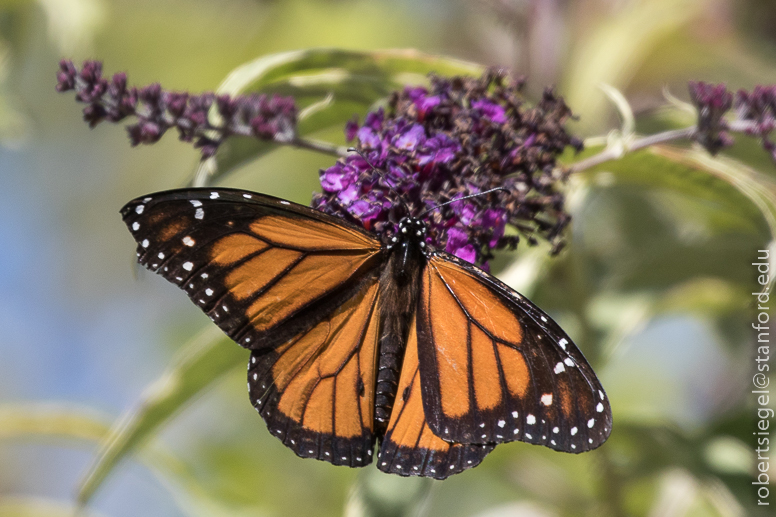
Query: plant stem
x=320, y=146
x=625, y=145
x=618, y=151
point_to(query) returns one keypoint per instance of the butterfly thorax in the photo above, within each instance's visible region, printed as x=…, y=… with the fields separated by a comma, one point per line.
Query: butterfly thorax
x=409, y=244
x=399, y=282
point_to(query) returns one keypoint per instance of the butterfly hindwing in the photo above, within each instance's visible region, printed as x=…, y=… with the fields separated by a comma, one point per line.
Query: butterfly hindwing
x=317, y=391
x=409, y=446
x=494, y=368
x=242, y=258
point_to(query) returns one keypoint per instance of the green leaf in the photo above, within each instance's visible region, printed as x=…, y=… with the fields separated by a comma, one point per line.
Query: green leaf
x=719, y=199
x=354, y=81
x=197, y=365
x=40, y=507
x=52, y=420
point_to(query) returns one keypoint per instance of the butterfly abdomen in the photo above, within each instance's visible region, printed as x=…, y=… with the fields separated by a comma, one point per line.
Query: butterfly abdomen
x=398, y=293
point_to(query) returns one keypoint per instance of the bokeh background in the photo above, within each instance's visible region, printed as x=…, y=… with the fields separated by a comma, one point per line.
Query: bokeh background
x=655, y=285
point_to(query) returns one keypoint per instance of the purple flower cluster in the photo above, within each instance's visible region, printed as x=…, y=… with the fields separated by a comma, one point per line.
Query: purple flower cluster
x=459, y=137
x=157, y=110
x=755, y=115
x=759, y=107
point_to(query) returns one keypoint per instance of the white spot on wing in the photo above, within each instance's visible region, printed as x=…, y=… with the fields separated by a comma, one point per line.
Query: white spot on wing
x=599, y=407
x=209, y=291
x=135, y=226
x=530, y=419
x=502, y=423
x=247, y=196
x=145, y=243
x=573, y=431
x=199, y=214
x=188, y=266
x=196, y=202
x=547, y=399
x=214, y=195
x=188, y=241
x=591, y=422
x=139, y=209
x=563, y=343
x=568, y=361
x=284, y=202
x=559, y=368
x=514, y=414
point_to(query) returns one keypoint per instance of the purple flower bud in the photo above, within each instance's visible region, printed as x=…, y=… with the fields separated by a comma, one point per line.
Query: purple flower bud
x=66, y=76
x=351, y=129
x=712, y=101
x=491, y=110
x=411, y=139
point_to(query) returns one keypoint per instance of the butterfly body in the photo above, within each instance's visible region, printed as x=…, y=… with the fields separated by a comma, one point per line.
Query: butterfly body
x=355, y=339
x=405, y=257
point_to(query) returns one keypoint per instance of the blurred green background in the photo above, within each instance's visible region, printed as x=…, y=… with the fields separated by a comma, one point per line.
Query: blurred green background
x=655, y=285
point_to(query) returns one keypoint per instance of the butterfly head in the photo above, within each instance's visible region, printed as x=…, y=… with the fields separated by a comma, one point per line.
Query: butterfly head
x=411, y=231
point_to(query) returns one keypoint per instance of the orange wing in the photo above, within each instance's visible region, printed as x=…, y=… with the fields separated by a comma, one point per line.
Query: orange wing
x=317, y=391
x=263, y=269
x=409, y=447
x=494, y=368
x=296, y=286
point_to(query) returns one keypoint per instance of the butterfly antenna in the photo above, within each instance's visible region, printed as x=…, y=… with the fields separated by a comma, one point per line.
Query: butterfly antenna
x=462, y=198
x=382, y=175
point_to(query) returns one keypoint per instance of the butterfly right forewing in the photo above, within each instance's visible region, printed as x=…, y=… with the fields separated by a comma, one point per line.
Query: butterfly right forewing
x=494, y=368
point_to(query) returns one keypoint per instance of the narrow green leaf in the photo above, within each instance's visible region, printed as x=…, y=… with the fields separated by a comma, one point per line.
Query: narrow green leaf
x=15, y=506
x=52, y=420
x=353, y=80
x=385, y=64
x=197, y=365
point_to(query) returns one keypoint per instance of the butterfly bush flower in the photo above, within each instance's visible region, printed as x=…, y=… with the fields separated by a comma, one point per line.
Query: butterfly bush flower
x=754, y=113
x=459, y=137
x=759, y=107
x=157, y=110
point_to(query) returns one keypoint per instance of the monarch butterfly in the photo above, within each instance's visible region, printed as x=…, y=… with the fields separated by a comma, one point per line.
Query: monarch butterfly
x=355, y=340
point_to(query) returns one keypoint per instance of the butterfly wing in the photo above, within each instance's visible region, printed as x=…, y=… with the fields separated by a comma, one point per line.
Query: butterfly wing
x=317, y=391
x=298, y=287
x=494, y=368
x=263, y=269
x=409, y=447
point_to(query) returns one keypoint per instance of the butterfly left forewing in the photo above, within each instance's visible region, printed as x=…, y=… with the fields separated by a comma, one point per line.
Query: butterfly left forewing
x=262, y=268
x=494, y=368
